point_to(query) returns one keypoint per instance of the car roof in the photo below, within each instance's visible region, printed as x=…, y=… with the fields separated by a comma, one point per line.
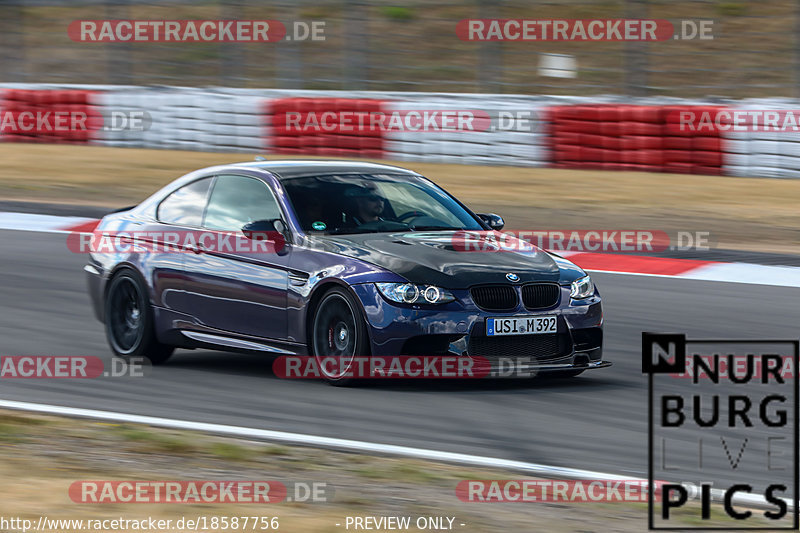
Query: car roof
x=294, y=168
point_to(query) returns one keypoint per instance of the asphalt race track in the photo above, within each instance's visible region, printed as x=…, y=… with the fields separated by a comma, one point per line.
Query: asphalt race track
x=597, y=421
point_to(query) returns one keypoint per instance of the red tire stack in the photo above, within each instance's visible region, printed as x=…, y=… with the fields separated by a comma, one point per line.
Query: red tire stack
x=339, y=127
x=48, y=116
x=632, y=137
x=695, y=149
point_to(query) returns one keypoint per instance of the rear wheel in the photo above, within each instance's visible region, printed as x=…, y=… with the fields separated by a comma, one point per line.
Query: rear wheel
x=338, y=336
x=129, y=320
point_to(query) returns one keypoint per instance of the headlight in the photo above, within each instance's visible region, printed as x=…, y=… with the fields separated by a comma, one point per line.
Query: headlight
x=582, y=288
x=409, y=293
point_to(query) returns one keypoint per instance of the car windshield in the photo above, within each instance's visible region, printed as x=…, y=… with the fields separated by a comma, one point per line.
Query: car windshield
x=370, y=203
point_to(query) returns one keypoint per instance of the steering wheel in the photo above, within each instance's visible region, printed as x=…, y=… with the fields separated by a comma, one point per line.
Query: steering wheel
x=411, y=214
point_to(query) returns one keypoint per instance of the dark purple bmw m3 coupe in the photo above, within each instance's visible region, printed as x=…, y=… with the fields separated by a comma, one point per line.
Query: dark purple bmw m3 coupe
x=334, y=259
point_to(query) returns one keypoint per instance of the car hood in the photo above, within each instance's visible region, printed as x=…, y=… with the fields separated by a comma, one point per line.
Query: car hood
x=437, y=258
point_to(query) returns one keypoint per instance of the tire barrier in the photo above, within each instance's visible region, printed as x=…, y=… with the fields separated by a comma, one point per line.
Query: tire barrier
x=603, y=132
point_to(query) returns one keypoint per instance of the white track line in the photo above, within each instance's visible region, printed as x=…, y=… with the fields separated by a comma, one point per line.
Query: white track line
x=39, y=223
x=545, y=471
x=791, y=275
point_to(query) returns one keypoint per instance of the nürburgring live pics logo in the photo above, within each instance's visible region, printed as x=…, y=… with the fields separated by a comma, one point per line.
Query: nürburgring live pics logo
x=723, y=422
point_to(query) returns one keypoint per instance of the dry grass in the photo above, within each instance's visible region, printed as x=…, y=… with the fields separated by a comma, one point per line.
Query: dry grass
x=38, y=470
x=107, y=175
x=745, y=213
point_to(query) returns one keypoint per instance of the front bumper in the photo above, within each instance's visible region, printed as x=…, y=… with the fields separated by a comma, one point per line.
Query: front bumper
x=458, y=328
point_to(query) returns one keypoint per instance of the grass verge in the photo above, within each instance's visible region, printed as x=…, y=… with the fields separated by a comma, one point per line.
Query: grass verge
x=41, y=456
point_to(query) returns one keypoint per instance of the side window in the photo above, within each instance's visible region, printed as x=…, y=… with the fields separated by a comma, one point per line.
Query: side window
x=185, y=206
x=237, y=200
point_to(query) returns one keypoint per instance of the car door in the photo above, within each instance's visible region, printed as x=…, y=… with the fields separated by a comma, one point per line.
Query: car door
x=232, y=288
x=178, y=213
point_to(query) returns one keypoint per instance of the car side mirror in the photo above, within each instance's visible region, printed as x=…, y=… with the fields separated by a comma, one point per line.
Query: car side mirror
x=495, y=222
x=273, y=230
x=254, y=228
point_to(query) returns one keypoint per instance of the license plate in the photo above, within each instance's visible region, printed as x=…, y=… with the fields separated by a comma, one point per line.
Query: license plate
x=521, y=325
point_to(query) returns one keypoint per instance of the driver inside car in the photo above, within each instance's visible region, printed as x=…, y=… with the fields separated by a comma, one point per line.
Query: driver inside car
x=369, y=205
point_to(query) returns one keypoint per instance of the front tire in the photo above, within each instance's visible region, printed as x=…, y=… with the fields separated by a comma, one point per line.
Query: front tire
x=338, y=335
x=129, y=320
